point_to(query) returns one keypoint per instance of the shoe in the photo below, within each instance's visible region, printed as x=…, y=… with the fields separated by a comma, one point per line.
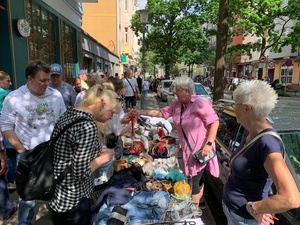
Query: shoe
x=10, y=216
x=11, y=186
x=202, y=205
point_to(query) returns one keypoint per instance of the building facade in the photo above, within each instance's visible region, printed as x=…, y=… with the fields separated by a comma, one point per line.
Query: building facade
x=49, y=30
x=109, y=23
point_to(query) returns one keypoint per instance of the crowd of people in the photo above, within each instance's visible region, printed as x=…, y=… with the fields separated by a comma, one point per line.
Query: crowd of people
x=105, y=105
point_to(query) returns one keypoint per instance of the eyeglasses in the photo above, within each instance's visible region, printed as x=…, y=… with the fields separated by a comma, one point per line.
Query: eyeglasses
x=235, y=104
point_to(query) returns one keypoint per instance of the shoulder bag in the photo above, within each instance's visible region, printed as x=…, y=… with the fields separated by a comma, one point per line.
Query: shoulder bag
x=198, y=156
x=35, y=170
x=136, y=95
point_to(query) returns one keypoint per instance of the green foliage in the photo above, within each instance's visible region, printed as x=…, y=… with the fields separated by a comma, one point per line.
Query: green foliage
x=282, y=93
x=265, y=19
x=174, y=31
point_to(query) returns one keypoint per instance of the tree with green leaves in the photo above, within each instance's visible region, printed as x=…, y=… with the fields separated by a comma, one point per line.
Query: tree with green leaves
x=174, y=29
x=268, y=20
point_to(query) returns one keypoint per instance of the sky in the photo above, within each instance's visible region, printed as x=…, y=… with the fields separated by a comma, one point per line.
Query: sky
x=142, y=4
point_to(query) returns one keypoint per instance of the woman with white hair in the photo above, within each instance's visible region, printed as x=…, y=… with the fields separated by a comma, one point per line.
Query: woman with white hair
x=255, y=167
x=194, y=118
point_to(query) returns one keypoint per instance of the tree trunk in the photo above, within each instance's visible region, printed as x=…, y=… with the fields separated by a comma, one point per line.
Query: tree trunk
x=222, y=32
x=167, y=71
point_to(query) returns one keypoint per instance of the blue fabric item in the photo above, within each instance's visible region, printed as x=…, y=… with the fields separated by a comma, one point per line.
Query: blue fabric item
x=26, y=208
x=12, y=164
x=6, y=205
x=116, y=192
x=145, y=207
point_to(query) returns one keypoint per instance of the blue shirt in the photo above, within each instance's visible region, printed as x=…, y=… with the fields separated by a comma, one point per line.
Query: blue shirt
x=249, y=181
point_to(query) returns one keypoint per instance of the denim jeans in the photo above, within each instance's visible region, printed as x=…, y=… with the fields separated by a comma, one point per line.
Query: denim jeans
x=145, y=207
x=6, y=205
x=234, y=219
x=12, y=164
x=146, y=93
x=26, y=208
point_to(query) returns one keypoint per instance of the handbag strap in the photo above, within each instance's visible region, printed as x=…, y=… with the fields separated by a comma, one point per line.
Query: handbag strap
x=256, y=138
x=188, y=143
x=130, y=84
x=67, y=170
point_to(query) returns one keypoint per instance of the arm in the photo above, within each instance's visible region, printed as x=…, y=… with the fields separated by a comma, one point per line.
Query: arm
x=104, y=157
x=211, y=137
x=288, y=196
x=3, y=161
x=153, y=113
x=12, y=138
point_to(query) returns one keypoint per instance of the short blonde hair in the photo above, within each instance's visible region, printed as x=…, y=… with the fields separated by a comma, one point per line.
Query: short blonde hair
x=97, y=93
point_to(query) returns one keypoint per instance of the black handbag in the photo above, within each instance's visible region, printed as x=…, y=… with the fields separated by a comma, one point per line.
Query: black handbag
x=35, y=173
x=198, y=156
x=115, y=142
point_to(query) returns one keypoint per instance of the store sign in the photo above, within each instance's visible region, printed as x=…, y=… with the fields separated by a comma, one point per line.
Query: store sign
x=271, y=64
x=123, y=58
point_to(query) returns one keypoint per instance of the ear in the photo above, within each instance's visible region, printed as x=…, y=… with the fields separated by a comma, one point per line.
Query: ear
x=248, y=107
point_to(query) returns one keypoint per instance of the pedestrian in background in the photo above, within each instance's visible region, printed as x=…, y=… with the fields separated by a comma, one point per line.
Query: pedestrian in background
x=146, y=87
x=195, y=116
x=7, y=207
x=28, y=117
x=83, y=77
x=67, y=91
x=77, y=85
x=80, y=148
x=140, y=82
x=11, y=153
x=253, y=170
x=131, y=86
x=93, y=79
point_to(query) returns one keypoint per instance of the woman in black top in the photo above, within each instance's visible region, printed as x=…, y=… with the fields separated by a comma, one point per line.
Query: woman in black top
x=80, y=147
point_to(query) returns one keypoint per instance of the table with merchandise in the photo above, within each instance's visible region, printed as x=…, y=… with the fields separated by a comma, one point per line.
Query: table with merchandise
x=147, y=185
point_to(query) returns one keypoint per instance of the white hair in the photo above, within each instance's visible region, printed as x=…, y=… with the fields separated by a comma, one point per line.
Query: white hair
x=184, y=83
x=260, y=95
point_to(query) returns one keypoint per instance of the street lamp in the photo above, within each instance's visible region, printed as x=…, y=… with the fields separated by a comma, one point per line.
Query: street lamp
x=144, y=20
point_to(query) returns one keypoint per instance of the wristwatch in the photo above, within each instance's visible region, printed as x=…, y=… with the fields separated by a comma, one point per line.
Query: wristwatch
x=209, y=143
x=251, y=210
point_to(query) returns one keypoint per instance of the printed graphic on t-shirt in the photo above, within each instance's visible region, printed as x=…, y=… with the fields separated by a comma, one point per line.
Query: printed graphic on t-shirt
x=40, y=115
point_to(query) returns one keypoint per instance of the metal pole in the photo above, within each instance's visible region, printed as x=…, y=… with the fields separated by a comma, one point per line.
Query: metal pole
x=143, y=69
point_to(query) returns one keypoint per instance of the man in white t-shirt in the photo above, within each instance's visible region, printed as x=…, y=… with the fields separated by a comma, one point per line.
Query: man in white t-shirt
x=28, y=116
x=131, y=86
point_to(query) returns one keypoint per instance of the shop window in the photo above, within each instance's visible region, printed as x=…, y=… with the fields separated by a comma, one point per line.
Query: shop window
x=68, y=49
x=42, y=37
x=126, y=35
x=126, y=5
x=286, y=73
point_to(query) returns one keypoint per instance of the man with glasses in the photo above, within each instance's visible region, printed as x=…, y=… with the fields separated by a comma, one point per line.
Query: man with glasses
x=67, y=91
x=28, y=117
